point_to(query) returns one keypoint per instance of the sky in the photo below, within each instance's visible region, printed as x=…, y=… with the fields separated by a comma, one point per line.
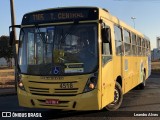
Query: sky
x=146, y=12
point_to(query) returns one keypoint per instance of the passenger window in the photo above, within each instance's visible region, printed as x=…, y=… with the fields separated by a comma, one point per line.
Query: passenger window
x=134, y=46
x=118, y=40
x=139, y=46
x=143, y=47
x=127, y=42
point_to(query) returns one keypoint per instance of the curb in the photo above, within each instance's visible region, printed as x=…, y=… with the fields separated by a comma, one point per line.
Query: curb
x=7, y=91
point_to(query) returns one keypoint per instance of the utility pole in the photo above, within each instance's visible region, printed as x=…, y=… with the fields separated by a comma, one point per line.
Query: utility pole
x=13, y=17
x=15, y=50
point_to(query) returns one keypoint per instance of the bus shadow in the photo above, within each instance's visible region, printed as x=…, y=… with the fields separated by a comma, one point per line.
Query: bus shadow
x=54, y=114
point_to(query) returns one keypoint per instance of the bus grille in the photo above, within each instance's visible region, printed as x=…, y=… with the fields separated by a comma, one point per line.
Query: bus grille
x=53, y=92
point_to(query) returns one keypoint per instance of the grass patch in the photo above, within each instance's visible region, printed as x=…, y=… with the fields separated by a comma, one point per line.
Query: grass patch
x=6, y=78
x=155, y=65
x=7, y=75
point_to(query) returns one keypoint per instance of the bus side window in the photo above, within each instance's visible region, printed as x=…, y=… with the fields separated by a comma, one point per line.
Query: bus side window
x=106, y=49
x=127, y=42
x=139, y=46
x=134, y=46
x=118, y=40
x=106, y=46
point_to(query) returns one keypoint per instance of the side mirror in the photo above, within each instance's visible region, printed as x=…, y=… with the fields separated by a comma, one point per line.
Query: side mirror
x=106, y=35
x=11, y=38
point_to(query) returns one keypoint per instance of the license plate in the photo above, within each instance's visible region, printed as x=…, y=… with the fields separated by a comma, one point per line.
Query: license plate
x=52, y=101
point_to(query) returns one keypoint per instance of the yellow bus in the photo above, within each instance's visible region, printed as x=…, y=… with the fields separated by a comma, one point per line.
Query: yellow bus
x=78, y=58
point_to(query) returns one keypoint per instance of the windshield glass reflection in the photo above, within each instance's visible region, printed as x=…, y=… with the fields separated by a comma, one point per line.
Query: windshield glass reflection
x=64, y=49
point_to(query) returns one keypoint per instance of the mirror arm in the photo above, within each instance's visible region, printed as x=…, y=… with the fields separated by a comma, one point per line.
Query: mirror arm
x=16, y=26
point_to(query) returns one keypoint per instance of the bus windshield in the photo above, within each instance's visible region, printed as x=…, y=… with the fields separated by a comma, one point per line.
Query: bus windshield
x=59, y=49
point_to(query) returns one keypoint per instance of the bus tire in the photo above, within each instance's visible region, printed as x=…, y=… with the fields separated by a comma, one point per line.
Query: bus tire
x=118, y=97
x=143, y=84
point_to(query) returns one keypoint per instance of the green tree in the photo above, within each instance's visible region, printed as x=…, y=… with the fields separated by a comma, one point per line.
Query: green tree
x=6, y=51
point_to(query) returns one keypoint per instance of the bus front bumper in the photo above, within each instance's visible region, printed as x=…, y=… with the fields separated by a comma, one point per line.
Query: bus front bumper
x=84, y=101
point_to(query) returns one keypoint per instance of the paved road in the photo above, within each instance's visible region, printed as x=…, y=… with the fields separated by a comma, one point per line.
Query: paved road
x=135, y=100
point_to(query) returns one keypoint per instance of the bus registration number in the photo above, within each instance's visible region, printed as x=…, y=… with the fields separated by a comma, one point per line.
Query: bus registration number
x=66, y=85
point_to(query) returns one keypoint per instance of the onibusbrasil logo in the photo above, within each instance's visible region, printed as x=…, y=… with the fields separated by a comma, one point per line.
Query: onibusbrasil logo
x=19, y=114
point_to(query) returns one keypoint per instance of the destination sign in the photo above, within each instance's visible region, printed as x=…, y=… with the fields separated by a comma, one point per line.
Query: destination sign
x=60, y=15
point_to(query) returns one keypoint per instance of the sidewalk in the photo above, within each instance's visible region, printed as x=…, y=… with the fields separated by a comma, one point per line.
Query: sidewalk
x=7, y=91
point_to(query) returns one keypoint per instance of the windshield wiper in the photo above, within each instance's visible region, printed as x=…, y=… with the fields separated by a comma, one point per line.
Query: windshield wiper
x=37, y=27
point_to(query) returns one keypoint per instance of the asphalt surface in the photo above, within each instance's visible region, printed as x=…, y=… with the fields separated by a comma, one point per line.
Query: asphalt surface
x=135, y=102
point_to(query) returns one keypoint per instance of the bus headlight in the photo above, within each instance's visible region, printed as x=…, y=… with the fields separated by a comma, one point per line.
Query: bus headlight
x=91, y=84
x=20, y=83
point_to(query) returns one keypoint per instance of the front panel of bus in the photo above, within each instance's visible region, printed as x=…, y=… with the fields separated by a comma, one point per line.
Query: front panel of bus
x=58, y=60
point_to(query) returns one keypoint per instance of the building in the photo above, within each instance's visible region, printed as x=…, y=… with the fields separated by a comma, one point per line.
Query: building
x=156, y=51
x=155, y=54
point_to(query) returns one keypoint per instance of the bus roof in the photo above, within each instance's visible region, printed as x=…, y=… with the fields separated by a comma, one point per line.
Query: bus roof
x=56, y=8
x=104, y=13
x=119, y=22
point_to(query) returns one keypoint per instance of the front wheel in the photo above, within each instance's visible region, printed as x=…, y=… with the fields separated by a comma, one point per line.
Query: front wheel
x=143, y=84
x=118, y=97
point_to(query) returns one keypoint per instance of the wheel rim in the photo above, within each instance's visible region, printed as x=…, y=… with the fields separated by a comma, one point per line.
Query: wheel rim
x=116, y=96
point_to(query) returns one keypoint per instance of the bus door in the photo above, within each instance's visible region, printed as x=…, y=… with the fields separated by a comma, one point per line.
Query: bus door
x=127, y=61
x=107, y=64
